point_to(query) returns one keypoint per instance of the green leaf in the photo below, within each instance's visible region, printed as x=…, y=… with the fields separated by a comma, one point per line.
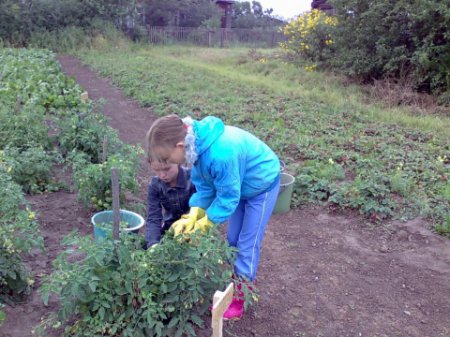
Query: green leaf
x=93, y=286
x=197, y=320
x=101, y=313
x=128, y=286
x=158, y=328
x=171, y=298
x=173, y=277
x=173, y=322
x=179, y=332
x=121, y=291
x=150, y=321
x=11, y=274
x=190, y=329
x=172, y=287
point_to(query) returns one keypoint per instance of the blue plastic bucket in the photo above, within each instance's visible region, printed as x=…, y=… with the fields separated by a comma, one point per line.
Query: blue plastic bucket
x=103, y=222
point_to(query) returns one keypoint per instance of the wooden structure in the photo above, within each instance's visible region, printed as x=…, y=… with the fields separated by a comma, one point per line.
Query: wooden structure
x=322, y=5
x=215, y=37
x=221, y=302
x=226, y=6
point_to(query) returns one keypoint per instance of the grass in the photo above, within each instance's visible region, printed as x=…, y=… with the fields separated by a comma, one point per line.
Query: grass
x=395, y=164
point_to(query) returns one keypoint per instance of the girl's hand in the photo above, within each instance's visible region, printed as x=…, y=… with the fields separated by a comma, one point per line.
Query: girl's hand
x=186, y=224
x=204, y=224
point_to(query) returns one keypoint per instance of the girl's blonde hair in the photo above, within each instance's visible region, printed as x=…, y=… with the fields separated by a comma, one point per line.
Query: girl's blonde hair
x=165, y=132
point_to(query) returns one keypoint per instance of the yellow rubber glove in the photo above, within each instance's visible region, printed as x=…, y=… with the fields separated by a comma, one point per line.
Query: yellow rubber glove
x=186, y=223
x=204, y=224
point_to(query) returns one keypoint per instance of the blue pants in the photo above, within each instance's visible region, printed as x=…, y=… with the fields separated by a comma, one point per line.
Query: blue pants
x=246, y=228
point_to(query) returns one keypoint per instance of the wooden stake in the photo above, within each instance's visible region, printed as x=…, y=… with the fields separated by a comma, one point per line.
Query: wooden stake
x=116, y=206
x=84, y=96
x=221, y=302
x=105, y=148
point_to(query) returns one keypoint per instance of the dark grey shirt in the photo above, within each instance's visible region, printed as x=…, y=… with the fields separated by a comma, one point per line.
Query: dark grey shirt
x=166, y=204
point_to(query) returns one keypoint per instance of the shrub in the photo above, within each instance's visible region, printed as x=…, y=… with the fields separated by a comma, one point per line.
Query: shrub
x=19, y=22
x=85, y=133
x=444, y=227
x=33, y=80
x=19, y=129
x=30, y=168
x=128, y=291
x=369, y=194
x=310, y=36
x=93, y=181
x=403, y=40
x=316, y=180
x=18, y=235
x=400, y=39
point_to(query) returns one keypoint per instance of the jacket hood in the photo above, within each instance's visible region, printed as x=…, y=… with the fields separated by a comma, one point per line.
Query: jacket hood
x=206, y=132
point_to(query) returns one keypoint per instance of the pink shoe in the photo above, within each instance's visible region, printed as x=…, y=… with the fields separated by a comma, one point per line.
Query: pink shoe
x=235, y=311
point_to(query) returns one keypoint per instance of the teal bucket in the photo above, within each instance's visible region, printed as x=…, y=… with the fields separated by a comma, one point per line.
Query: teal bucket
x=103, y=222
x=283, y=204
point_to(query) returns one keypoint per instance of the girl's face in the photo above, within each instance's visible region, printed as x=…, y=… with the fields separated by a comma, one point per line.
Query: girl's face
x=166, y=172
x=174, y=155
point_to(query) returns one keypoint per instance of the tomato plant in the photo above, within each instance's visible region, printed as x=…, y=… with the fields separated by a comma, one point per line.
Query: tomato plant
x=93, y=181
x=128, y=291
x=18, y=235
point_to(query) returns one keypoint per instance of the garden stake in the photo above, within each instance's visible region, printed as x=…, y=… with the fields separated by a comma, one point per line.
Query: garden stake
x=105, y=149
x=116, y=206
x=221, y=302
x=84, y=96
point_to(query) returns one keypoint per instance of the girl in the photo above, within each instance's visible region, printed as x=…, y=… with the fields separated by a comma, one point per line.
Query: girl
x=167, y=199
x=237, y=178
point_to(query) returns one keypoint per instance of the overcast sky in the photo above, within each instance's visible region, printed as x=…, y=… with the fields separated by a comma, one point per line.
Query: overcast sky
x=286, y=8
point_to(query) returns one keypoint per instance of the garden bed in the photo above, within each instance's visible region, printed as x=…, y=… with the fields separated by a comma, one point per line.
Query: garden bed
x=321, y=273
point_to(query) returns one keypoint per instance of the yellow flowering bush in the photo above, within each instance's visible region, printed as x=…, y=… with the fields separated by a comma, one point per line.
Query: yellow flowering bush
x=310, y=35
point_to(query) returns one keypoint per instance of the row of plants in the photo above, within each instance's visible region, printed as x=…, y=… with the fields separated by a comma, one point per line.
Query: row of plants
x=105, y=288
x=342, y=151
x=45, y=121
x=19, y=234
x=47, y=126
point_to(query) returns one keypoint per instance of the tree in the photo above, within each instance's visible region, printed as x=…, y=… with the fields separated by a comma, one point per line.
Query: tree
x=257, y=9
x=248, y=14
x=20, y=18
x=184, y=13
x=402, y=39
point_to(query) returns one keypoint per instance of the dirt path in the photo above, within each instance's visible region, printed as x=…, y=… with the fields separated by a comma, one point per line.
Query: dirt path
x=320, y=274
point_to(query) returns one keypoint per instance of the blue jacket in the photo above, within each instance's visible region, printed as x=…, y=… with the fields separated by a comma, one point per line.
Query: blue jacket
x=232, y=164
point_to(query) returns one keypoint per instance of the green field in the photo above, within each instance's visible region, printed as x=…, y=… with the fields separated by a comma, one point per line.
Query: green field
x=345, y=152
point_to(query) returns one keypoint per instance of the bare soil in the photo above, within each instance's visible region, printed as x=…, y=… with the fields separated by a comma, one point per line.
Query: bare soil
x=321, y=274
